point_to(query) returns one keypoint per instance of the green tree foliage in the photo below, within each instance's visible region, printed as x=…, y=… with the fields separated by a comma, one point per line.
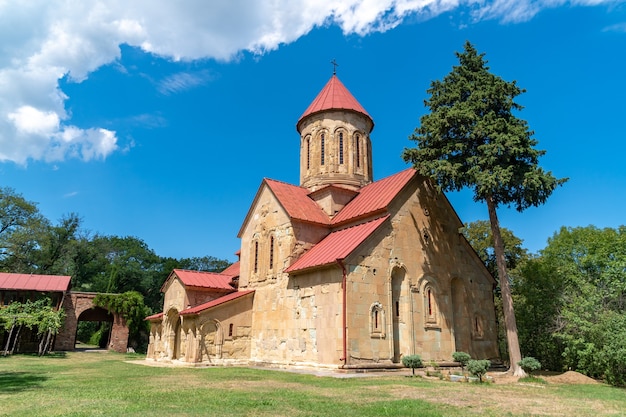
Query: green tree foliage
x=412, y=361
x=461, y=357
x=479, y=236
x=38, y=316
x=30, y=243
x=529, y=364
x=478, y=367
x=471, y=138
x=572, y=303
x=128, y=305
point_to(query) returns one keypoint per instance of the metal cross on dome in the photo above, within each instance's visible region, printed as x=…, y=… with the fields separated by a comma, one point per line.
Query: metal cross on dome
x=335, y=65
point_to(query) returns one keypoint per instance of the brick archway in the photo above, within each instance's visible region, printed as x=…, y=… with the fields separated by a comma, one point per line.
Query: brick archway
x=77, y=303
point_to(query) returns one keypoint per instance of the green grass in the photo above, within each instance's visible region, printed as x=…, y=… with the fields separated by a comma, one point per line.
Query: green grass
x=104, y=384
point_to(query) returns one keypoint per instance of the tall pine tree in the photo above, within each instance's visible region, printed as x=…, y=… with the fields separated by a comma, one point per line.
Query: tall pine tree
x=471, y=138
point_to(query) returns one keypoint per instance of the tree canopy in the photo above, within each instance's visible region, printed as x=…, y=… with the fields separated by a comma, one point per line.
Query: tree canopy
x=30, y=243
x=471, y=138
x=571, y=301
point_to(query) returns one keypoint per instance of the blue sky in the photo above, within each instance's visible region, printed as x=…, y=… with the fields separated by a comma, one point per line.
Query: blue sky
x=160, y=121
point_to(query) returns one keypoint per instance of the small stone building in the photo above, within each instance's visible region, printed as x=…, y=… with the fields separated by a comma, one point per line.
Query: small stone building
x=77, y=306
x=340, y=271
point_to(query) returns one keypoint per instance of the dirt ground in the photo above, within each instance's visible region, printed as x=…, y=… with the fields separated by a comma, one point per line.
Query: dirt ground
x=569, y=377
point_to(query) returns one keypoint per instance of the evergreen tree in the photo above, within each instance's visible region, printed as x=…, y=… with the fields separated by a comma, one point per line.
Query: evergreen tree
x=471, y=138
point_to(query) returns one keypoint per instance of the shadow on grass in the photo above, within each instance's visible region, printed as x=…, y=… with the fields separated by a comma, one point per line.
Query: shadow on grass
x=19, y=381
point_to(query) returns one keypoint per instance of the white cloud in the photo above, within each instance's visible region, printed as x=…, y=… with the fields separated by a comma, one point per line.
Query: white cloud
x=42, y=41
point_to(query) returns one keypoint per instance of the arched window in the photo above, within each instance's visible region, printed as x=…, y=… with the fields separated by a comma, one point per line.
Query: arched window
x=322, y=150
x=341, y=147
x=271, y=252
x=357, y=146
x=308, y=153
x=430, y=306
x=256, y=257
x=477, y=328
x=377, y=321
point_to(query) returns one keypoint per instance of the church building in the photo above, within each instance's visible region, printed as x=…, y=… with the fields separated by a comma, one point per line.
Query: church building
x=340, y=271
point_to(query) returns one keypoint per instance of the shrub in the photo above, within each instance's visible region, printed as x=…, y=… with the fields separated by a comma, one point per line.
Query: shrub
x=529, y=364
x=462, y=358
x=478, y=368
x=412, y=361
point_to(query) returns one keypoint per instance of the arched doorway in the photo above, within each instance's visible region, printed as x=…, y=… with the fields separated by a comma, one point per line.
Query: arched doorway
x=212, y=340
x=460, y=316
x=93, y=329
x=171, y=334
x=399, y=312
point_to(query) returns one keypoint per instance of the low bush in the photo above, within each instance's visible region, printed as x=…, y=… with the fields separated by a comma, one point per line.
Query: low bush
x=462, y=358
x=478, y=368
x=529, y=364
x=412, y=361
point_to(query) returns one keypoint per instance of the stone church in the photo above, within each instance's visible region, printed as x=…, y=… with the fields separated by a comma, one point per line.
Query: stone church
x=340, y=271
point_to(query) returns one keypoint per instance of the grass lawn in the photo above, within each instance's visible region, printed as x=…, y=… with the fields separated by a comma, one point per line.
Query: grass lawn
x=104, y=384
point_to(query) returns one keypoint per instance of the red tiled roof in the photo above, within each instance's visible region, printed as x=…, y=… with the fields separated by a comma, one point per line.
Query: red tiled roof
x=154, y=317
x=374, y=197
x=202, y=279
x=31, y=282
x=232, y=270
x=334, y=95
x=233, y=296
x=337, y=245
x=296, y=202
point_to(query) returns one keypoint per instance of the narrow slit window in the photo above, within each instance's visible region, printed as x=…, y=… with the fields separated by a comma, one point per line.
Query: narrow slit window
x=256, y=257
x=376, y=327
x=308, y=153
x=271, y=252
x=230, y=330
x=397, y=308
x=322, y=150
x=341, y=147
x=358, y=151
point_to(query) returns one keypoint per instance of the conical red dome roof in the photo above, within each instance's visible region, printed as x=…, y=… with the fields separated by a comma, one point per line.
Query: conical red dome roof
x=333, y=96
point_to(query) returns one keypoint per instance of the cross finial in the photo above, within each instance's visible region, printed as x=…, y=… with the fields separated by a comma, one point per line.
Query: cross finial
x=335, y=65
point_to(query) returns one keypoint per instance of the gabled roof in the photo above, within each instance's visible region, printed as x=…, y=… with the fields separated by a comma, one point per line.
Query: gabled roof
x=154, y=317
x=374, y=197
x=337, y=245
x=232, y=270
x=334, y=96
x=201, y=279
x=294, y=200
x=202, y=307
x=31, y=282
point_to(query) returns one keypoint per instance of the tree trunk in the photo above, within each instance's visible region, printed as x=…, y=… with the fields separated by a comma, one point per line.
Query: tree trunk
x=46, y=347
x=507, y=300
x=17, y=337
x=6, y=347
x=41, y=342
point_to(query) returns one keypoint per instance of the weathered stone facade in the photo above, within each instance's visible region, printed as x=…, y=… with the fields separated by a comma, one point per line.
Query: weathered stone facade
x=340, y=271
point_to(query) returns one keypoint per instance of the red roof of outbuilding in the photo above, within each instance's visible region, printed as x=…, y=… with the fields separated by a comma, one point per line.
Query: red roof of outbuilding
x=337, y=245
x=197, y=309
x=374, y=197
x=334, y=95
x=202, y=279
x=31, y=282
